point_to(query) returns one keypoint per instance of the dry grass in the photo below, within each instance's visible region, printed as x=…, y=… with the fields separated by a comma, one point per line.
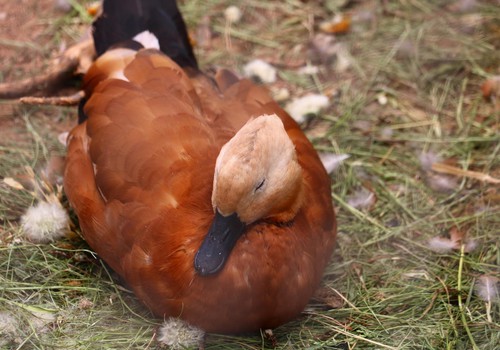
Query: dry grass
x=389, y=289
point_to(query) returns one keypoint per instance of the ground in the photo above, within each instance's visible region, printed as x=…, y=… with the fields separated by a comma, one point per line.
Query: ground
x=417, y=200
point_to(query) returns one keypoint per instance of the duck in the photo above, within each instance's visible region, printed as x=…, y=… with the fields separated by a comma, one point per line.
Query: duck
x=196, y=188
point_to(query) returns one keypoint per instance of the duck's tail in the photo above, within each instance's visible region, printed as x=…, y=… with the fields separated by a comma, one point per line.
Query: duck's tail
x=122, y=21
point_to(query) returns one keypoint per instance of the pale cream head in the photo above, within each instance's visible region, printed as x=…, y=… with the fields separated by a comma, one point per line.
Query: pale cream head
x=257, y=174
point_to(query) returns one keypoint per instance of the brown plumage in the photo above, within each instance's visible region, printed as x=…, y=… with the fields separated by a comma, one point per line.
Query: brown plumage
x=140, y=177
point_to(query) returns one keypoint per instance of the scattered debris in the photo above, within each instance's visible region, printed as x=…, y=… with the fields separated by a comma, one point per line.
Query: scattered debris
x=260, y=70
x=178, y=334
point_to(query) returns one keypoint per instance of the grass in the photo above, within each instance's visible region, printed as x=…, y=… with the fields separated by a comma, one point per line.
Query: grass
x=389, y=289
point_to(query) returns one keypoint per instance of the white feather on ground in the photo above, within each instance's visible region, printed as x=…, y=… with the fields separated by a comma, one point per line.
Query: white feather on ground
x=362, y=199
x=426, y=160
x=442, y=245
x=331, y=161
x=303, y=106
x=487, y=288
x=261, y=70
x=178, y=334
x=45, y=222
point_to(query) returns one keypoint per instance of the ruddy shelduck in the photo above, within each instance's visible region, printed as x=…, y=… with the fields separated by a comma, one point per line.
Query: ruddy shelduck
x=198, y=190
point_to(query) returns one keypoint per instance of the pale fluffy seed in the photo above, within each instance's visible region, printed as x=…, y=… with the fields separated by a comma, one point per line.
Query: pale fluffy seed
x=487, y=288
x=178, y=334
x=261, y=70
x=45, y=222
x=232, y=14
x=301, y=107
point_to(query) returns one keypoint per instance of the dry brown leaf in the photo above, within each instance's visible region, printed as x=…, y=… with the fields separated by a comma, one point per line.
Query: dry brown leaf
x=341, y=24
x=13, y=183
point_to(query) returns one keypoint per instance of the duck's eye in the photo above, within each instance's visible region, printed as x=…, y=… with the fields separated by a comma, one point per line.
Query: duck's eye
x=259, y=186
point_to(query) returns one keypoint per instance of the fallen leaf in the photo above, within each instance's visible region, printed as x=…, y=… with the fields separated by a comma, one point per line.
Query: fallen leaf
x=13, y=183
x=340, y=24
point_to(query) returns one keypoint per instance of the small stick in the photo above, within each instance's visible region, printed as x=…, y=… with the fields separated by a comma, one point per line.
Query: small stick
x=71, y=100
x=448, y=169
x=75, y=59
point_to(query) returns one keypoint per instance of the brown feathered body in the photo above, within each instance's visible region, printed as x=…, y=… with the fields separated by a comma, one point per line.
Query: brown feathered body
x=140, y=173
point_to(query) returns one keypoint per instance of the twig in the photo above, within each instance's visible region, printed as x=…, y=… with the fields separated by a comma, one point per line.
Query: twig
x=448, y=169
x=71, y=100
x=77, y=58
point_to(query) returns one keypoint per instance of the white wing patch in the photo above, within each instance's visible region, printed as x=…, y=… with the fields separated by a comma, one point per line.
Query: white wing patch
x=147, y=39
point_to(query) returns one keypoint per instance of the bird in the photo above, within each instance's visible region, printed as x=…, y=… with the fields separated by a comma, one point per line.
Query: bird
x=196, y=188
